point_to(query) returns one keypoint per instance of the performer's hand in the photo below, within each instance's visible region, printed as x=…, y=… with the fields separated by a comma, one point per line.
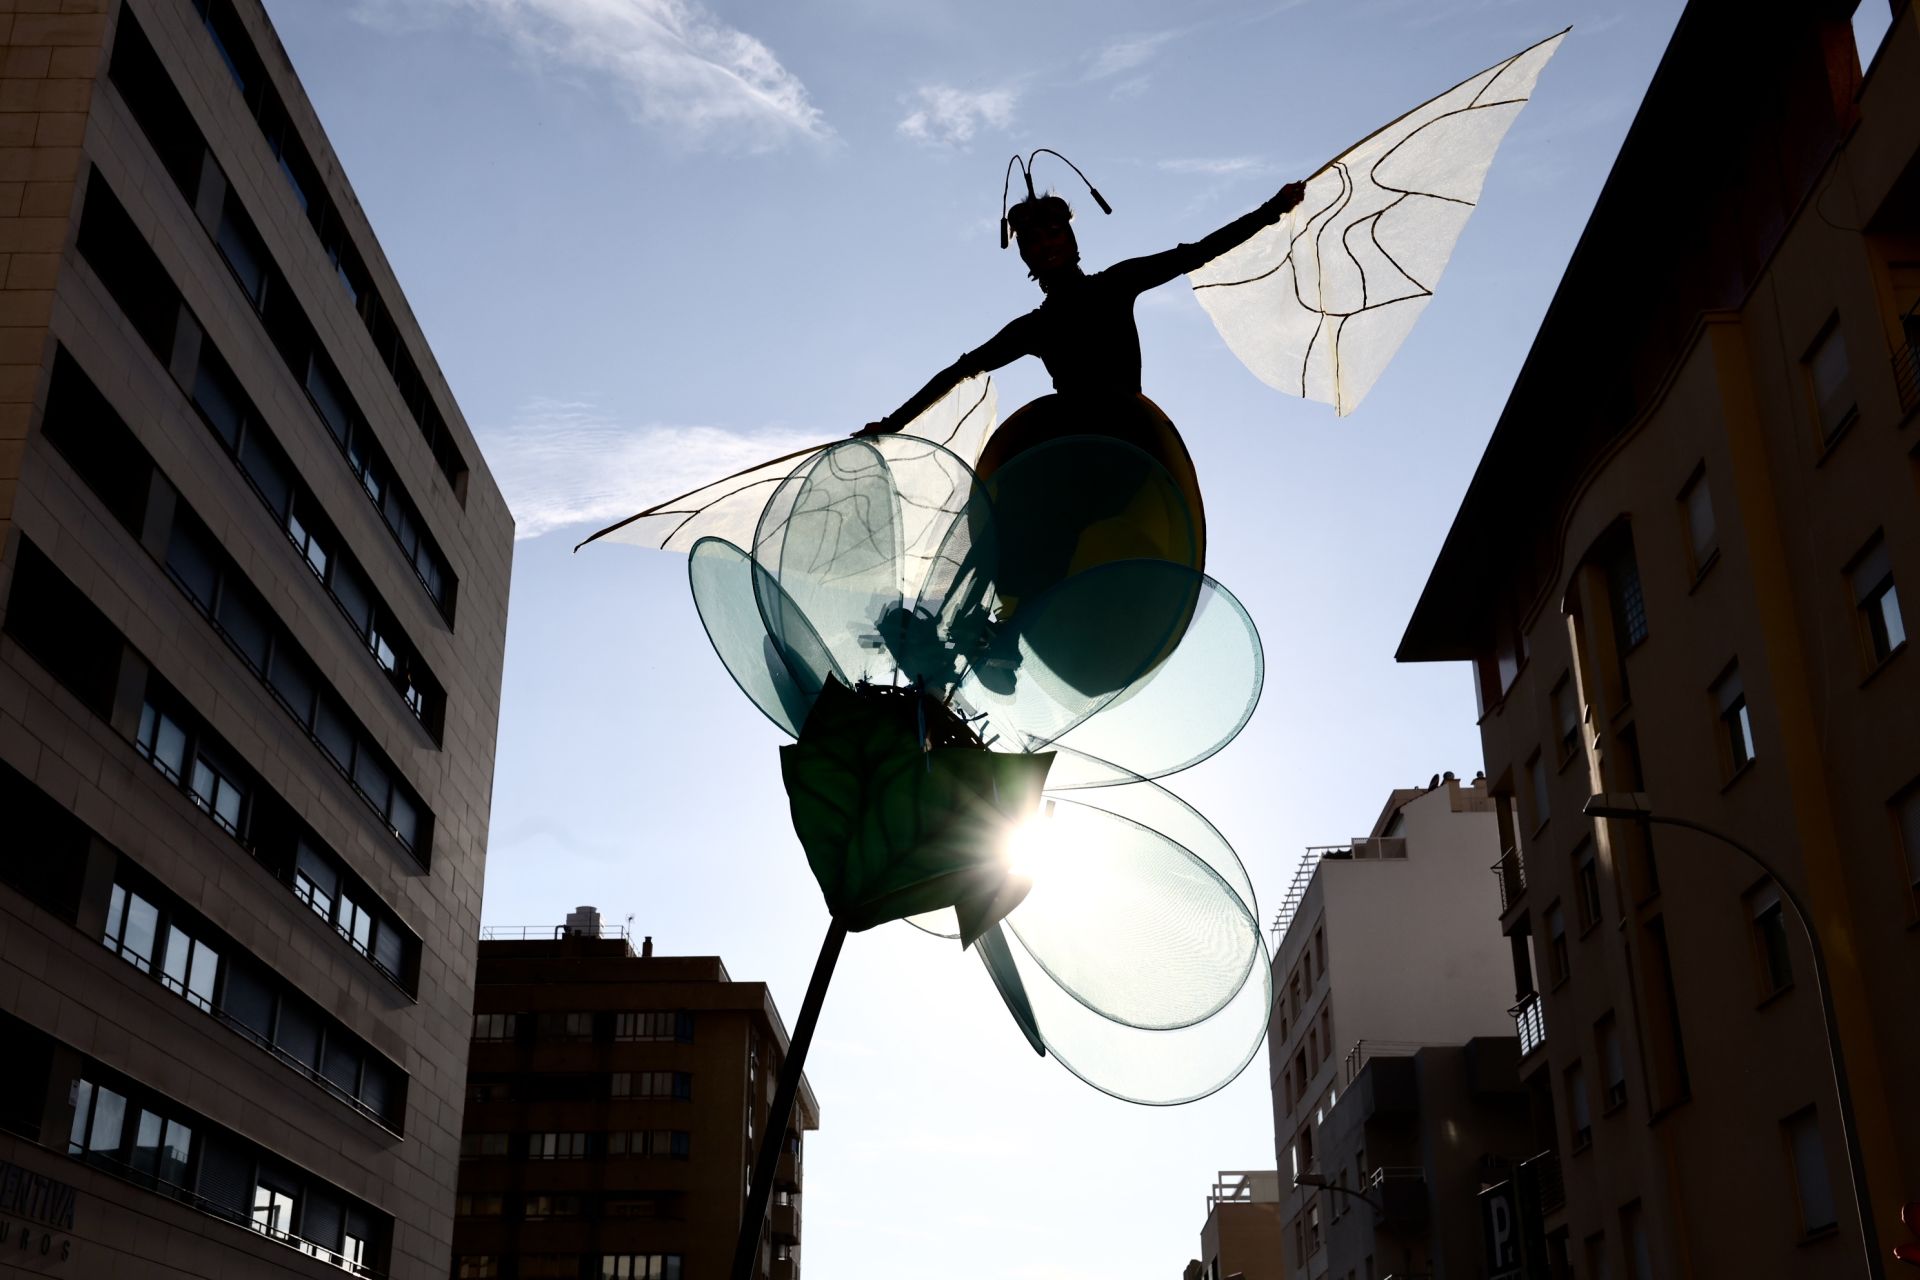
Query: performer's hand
x=1290, y=195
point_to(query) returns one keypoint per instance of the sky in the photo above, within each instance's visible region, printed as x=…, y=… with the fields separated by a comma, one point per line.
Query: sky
x=651, y=241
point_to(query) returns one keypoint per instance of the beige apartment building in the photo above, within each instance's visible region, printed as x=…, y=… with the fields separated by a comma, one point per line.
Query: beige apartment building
x=1241, y=1235
x=253, y=591
x=1677, y=572
x=1377, y=955
x=615, y=1104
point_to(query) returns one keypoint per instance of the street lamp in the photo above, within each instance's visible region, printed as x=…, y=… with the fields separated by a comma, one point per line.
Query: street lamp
x=1319, y=1182
x=1634, y=806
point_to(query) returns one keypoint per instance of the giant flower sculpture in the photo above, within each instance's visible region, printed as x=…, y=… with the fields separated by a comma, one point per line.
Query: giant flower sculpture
x=981, y=761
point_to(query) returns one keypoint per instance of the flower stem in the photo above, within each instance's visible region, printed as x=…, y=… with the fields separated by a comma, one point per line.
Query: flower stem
x=773, y=1138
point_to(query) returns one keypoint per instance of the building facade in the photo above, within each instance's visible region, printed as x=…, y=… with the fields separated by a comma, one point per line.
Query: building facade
x=615, y=1103
x=1677, y=573
x=1240, y=1239
x=1376, y=956
x=253, y=587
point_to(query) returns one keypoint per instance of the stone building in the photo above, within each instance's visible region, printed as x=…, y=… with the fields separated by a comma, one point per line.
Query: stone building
x=253, y=589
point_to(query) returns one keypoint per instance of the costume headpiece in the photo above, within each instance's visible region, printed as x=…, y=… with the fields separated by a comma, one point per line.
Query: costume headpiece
x=1035, y=205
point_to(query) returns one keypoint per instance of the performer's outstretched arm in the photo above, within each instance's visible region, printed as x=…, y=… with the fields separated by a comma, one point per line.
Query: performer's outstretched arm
x=1003, y=348
x=1157, y=268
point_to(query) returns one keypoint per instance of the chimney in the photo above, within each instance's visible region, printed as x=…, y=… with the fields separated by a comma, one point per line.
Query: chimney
x=583, y=922
x=646, y=947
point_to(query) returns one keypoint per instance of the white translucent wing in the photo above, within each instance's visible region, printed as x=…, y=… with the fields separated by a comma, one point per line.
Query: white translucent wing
x=730, y=507
x=1316, y=304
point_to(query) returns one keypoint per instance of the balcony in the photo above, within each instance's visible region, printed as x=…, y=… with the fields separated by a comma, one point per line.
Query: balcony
x=787, y=1268
x=787, y=1173
x=1512, y=872
x=1906, y=361
x=786, y=1219
x=1541, y=1182
x=1402, y=1193
x=1529, y=1023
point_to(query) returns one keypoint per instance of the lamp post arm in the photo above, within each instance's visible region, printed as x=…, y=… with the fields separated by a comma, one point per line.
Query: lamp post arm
x=1361, y=1196
x=1849, y=1131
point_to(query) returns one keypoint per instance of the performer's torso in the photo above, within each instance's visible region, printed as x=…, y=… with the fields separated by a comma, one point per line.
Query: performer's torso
x=1085, y=335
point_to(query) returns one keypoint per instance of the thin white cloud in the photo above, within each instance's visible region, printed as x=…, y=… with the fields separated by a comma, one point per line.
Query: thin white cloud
x=678, y=66
x=943, y=116
x=1126, y=54
x=1214, y=166
x=564, y=464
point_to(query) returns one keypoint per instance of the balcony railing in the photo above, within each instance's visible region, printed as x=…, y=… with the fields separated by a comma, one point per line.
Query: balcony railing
x=1906, y=360
x=1511, y=871
x=1540, y=1178
x=1529, y=1023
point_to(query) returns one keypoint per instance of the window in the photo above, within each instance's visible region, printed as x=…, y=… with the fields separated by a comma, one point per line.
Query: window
x=161, y=1146
x=1736, y=723
x=1326, y=1026
x=1696, y=513
x=1542, y=797
x=1831, y=380
x=639, y=1266
x=1586, y=879
x=1558, y=962
x=1599, y=1266
x=1633, y=1232
x=1566, y=717
x=98, y=1115
x=162, y=741
x=1812, y=1187
x=1306, y=969
x=657, y=1144
x=653, y=1026
x=1770, y=939
x=1313, y=1226
x=552, y=1206
x=495, y=1026
x=1876, y=603
x=133, y=926
x=272, y=1210
x=1906, y=817
x=1624, y=596
x=1579, y=1117
x=566, y=1026
x=652, y=1084
x=190, y=967
x=477, y=1266
x=215, y=789
x=1320, y=947
x=1606, y=1039
x=477, y=1206
x=475, y=1146
x=1293, y=994
x=556, y=1146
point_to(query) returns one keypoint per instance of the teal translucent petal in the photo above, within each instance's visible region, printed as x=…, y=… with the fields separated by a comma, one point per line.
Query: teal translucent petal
x=780, y=679
x=1079, y=646
x=1190, y=705
x=1130, y=922
x=1158, y=1068
x=831, y=538
x=997, y=954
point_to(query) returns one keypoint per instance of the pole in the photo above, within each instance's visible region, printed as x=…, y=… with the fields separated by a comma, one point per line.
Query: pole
x=766, y=1164
x=1843, y=1093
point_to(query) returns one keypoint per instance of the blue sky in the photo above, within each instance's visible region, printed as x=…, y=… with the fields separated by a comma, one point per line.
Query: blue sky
x=652, y=240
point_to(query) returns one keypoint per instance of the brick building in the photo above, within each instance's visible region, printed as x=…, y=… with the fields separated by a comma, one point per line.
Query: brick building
x=615, y=1103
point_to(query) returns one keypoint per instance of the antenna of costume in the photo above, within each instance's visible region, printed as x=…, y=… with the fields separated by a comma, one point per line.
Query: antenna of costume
x=1091, y=189
x=1007, y=182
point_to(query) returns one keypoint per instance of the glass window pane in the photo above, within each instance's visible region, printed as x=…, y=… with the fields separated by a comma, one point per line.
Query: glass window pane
x=175, y=1148
x=206, y=966
x=170, y=746
x=143, y=923
x=146, y=1143
x=82, y=1105
x=109, y=1111
x=175, y=966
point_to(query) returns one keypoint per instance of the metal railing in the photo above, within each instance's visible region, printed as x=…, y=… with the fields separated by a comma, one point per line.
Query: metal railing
x=1542, y=1175
x=1529, y=1023
x=1365, y=1051
x=549, y=932
x=1906, y=360
x=1511, y=871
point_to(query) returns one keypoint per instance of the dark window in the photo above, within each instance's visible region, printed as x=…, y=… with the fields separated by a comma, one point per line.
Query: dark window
x=1586, y=872
x=1579, y=1115
x=120, y=256
x=193, y=562
x=1770, y=940
x=43, y=852
x=1831, y=380
x=1623, y=593
x=1877, y=603
x=1906, y=820
x=1559, y=963
x=1736, y=722
x=1613, y=1063
x=96, y=443
x=56, y=623
x=1703, y=536
x=1566, y=717
x=1813, y=1187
